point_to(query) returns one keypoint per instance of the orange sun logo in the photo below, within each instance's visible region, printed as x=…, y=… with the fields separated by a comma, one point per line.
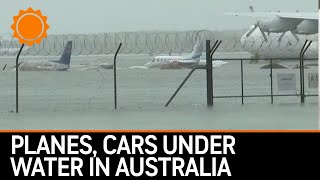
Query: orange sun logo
x=30, y=26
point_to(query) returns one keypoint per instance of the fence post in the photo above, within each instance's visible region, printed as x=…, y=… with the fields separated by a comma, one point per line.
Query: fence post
x=301, y=73
x=17, y=79
x=302, y=80
x=183, y=82
x=242, y=88
x=271, y=79
x=115, y=76
x=303, y=51
x=209, y=75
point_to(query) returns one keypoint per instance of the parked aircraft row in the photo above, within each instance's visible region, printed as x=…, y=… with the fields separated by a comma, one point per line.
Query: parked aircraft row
x=256, y=42
x=275, y=24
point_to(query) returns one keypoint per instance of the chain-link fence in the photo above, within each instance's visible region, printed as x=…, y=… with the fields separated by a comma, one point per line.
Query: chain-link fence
x=87, y=86
x=82, y=88
x=271, y=81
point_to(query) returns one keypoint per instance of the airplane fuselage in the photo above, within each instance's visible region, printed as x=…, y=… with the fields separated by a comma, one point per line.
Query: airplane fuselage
x=170, y=61
x=10, y=51
x=307, y=27
x=42, y=66
x=277, y=25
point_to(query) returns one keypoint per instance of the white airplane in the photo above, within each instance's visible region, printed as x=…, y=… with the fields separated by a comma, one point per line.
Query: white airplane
x=49, y=65
x=178, y=62
x=288, y=47
x=12, y=51
x=281, y=22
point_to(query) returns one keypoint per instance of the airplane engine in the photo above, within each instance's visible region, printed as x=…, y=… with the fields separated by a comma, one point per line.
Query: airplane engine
x=278, y=25
x=307, y=27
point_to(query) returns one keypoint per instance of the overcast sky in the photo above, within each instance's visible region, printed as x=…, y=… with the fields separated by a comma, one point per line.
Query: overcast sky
x=93, y=16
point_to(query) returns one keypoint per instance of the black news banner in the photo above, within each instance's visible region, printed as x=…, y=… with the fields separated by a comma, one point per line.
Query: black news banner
x=157, y=154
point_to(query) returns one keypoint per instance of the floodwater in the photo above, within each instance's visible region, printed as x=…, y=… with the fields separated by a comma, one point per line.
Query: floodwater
x=83, y=98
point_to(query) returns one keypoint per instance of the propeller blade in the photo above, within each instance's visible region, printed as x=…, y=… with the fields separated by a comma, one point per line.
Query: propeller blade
x=264, y=35
x=251, y=31
x=251, y=8
x=282, y=35
x=295, y=35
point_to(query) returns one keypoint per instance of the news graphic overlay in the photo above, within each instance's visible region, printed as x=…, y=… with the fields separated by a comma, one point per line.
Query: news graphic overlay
x=159, y=154
x=30, y=26
x=127, y=155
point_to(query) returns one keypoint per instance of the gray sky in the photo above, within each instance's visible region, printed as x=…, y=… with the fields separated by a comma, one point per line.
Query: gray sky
x=94, y=16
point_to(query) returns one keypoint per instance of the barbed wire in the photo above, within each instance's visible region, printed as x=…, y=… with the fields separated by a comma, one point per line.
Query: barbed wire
x=146, y=43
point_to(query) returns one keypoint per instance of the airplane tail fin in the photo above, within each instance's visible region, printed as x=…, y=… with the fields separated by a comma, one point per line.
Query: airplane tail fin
x=251, y=9
x=66, y=55
x=197, y=50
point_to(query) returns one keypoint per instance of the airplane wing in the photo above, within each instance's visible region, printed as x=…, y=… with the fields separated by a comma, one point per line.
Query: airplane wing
x=297, y=15
x=301, y=16
x=90, y=68
x=13, y=67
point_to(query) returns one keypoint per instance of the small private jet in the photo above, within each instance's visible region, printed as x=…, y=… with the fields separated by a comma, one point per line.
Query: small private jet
x=178, y=62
